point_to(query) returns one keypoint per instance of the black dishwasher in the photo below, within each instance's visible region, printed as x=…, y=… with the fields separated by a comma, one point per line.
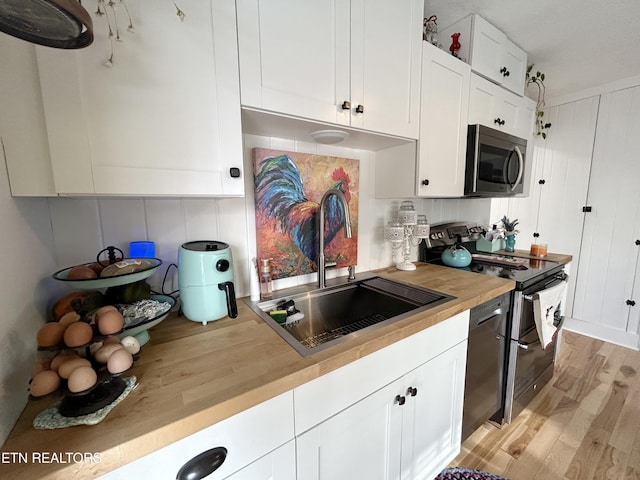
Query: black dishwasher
x=486, y=354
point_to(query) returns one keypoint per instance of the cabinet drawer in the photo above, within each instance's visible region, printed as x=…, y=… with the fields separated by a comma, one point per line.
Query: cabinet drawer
x=325, y=396
x=247, y=436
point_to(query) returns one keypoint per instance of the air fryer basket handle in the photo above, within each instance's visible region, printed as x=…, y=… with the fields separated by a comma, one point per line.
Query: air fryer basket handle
x=230, y=293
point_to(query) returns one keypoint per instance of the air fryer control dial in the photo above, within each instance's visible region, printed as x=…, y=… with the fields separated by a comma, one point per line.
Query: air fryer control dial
x=222, y=265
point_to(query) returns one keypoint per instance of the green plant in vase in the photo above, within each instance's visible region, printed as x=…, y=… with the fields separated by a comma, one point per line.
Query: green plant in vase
x=510, y=233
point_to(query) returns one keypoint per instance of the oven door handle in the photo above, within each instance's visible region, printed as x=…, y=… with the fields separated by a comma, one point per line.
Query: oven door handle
x=526, y=345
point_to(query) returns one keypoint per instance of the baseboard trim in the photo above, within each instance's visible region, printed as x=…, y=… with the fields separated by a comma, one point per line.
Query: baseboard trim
x=602, y=332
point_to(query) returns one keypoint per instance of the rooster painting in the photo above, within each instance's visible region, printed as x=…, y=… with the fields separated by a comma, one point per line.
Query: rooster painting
x=287, y=193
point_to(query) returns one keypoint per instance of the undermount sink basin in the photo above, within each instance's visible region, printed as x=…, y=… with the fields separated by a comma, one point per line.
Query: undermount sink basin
x=335, y=314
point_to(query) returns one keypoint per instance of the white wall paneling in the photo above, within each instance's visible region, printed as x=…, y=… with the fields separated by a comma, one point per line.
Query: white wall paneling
x=26, y=256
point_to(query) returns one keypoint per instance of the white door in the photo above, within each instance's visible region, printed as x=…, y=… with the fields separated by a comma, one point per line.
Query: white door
x=386, y=51
x=487, y=45
x=606, y=269
x=567, y=166
x=432, y=421
x=443, y=128
x=361, y=442
x=514, y=60
x=295, y=57
x=165, y=119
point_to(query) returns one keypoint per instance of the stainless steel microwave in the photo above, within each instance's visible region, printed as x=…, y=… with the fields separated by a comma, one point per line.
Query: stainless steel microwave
x=495, y=163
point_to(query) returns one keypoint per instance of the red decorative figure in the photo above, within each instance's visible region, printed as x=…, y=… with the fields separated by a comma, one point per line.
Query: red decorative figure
x=455, y=45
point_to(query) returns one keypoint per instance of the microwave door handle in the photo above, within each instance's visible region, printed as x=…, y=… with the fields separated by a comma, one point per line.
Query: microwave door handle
x=520, y=168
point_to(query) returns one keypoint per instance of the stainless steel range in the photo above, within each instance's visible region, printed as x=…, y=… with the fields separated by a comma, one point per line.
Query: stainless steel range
x=506, y=364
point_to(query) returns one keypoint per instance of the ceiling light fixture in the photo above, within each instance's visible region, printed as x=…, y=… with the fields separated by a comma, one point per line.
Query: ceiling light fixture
x=329, y=137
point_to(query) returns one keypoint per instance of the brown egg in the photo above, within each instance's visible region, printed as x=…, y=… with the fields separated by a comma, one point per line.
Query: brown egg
x=78, y=334
x=109, y=322
x=105, y=309
x=102, y=354
x=44, y=383
x=119, y=361
x=69, y=318
x=68, y=366
x=50, y=334
x=62, y=357
x=80, y=272
x=81, y=379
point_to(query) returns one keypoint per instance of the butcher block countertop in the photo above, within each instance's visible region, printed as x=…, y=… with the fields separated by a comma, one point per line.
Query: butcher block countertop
x=191, y=376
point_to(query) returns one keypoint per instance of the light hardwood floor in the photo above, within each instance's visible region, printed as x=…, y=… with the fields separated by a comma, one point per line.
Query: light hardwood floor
x=584, y=424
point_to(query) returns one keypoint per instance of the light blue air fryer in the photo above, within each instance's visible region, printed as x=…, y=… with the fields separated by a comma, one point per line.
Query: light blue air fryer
x=205, y=280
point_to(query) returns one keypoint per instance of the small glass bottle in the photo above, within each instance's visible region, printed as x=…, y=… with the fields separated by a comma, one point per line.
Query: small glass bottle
x=266, y=282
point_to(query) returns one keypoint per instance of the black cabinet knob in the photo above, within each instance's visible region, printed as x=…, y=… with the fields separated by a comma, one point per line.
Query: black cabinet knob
x=542, y=181
x=346, y=105
x=536, y=235
x=203, y=465
x=637, y=242
x=399, y=400
x=425, y=182
x=631, y=303
x=234, y=172
x=498, y=121
x=360, y=109
x=412, y=391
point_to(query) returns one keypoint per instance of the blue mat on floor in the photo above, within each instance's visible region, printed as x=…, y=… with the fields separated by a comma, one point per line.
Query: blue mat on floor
x=467, y=474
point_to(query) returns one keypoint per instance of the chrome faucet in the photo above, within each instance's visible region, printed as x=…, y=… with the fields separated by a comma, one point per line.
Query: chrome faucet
x=347, y=230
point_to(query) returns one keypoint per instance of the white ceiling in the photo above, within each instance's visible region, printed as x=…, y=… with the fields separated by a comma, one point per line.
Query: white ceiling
x=578, y=44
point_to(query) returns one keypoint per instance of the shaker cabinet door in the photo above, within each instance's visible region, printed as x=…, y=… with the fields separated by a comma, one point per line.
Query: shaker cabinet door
x=295, y=58
x=163, y=120
x=362, y=441
x=443, y=129
x=348, y=62
x=386, y=52
x=432, y=422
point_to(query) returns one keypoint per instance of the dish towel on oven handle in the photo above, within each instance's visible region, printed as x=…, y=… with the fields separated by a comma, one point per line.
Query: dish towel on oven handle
x=545, y=303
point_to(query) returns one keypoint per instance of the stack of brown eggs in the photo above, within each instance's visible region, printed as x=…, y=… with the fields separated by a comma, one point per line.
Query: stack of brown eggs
x=81, y=349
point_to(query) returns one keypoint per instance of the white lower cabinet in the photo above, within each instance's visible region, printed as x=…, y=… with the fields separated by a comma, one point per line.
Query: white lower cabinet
x=393, y=414
x=258, y=441
x=409, y=429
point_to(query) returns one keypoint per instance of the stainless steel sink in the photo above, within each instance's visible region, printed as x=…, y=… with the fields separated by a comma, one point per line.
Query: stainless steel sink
x=335, y=314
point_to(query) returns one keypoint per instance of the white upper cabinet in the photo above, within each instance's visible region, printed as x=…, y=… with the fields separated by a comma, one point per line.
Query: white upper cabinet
x=495, y=107
x=490, y=53
x=164, y=120
x=443, y=135
x=354, y=63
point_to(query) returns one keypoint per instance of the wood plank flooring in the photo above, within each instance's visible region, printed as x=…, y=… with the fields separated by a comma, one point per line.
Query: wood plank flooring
x=584, y=424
